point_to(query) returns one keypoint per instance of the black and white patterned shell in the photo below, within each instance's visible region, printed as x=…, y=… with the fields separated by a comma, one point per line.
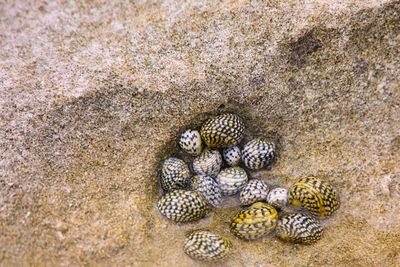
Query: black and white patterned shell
x=232, y=155
x=208, y=163
x=206, y=245
x=258, y=153
x=299, y=228
x=183, y=206
x=208, y=188
x=231, y=180
x=175, y=174
x=278, y=197
x=190, y=142
x=254, y=191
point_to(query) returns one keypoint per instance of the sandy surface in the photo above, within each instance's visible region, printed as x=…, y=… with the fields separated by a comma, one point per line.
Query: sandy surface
x=94, y=94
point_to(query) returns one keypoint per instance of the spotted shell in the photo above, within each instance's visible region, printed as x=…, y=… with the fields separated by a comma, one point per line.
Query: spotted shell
x=232, y=180
x=224, y=130
x=258, y=153
x=183, y=206
x=208, y=188
x=299, y=228
x=206, y=245
x=208, y=163
x=254, y=222
x=278, y=197
x=232, y=155
x=190, y=142
x=175, y=174
x=255, y=190
x=315, y=195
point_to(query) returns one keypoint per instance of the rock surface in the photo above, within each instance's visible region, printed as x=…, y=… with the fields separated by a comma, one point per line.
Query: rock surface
x=94, y=94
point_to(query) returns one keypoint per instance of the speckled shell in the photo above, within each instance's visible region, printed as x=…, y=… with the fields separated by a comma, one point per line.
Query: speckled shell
x=232, y=180
x=315, y=195
x=208, y=163
x=255, y=190
x=190, y=142
x=278, y=197
x=175, y=174
x=208, y=188
x=206, y=246
x=232, y=155
x=254, y=221
x=183, y=206
x=258, y=153
x=299, y=228
x=224, y=130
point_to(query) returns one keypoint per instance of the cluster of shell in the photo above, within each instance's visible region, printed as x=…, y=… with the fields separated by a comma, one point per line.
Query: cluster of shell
x=190, y=197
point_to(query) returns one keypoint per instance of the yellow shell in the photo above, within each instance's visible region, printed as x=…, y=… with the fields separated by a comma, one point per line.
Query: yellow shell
x=315, y=195
x=224, y=130
x=254, y=222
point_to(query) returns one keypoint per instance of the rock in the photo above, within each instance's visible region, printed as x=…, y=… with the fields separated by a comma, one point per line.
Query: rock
x=95, y=94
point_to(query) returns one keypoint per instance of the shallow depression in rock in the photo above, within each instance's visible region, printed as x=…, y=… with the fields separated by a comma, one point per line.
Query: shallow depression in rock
x=86, y=121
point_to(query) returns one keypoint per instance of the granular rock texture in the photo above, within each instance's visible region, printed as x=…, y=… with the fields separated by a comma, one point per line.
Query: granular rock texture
x=94, y=94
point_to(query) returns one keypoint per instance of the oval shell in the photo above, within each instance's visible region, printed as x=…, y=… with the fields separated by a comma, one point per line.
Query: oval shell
x=299, y=228
x=255, y=221
x=208, y=188
x=258, y=153
x=206, y=245
x=232, y=155
x=208, y=163
x=278, y=197
x=255, y=190
x=232, y=180
x=175, y=174
x=190, y=142
x=182, y=206
x=224, y=130
x=315, y=195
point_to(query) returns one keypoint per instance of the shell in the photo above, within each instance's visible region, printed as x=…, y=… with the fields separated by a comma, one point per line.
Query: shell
x=278, y=197
x=175, y=174
x=208, y=163
x=258, y=153
x=255, y=190
x=206, y=245
x=224, y=130
x=232, y=155
x=254, y=221
x=232, y=180
x=208, y=188
x=299, y=228
x=183, y=206
x=315, y=195
x=190, y=142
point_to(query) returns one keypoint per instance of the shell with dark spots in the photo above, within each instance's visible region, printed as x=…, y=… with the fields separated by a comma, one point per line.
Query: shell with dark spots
x=190, y=142
x=183, y=206
x=206, y=246
x=208, y=163
x=175, y=174
x=258, y=153
x=254, y=222
x=315, y=195
x=255, y=190
x=299, y=228
x=232, y=155
x=208, y=188
x=221, y=131
x=232, y=180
